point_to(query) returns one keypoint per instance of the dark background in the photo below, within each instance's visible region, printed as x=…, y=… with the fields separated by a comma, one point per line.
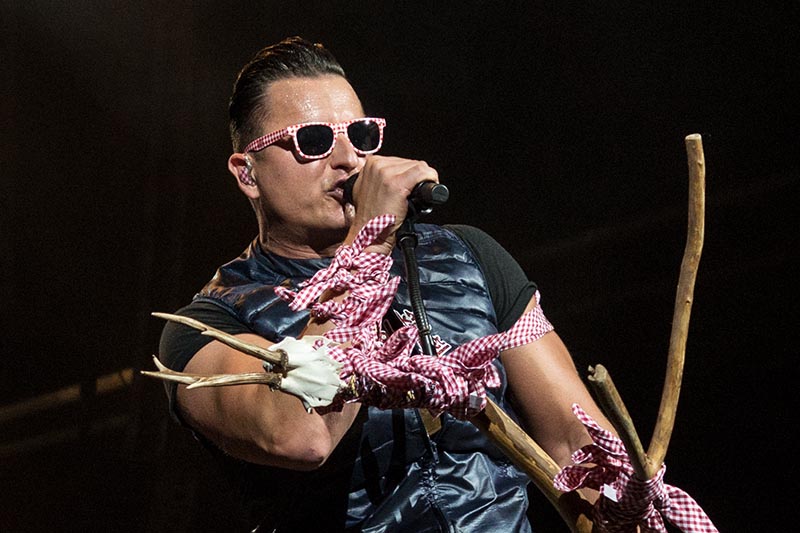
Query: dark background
x=559, y=128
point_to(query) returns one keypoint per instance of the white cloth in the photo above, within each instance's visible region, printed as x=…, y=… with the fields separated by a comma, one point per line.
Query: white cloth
x=312, y=376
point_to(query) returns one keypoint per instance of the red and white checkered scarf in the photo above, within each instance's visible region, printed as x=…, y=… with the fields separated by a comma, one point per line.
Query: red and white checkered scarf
x=387, y=374
x=626, y=502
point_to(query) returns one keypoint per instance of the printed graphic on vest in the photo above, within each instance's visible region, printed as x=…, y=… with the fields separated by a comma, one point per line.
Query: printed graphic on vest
x=394, y=320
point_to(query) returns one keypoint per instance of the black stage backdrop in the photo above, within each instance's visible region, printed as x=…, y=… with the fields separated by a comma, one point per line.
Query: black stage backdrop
x=559, y=129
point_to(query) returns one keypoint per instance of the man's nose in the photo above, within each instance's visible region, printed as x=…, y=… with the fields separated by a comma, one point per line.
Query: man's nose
x=344, y=153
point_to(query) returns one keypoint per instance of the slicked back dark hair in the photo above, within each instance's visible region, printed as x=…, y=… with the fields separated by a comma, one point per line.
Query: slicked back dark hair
x=293, y=57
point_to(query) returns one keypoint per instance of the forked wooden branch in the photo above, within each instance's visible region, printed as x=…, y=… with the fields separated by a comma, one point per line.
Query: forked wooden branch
x=531, y=458
x=647, y=464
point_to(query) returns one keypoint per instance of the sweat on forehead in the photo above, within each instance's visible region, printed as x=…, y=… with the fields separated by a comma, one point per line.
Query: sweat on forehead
x=318, y=99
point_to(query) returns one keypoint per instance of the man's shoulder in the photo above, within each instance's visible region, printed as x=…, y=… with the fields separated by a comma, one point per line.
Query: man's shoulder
x=251, y=266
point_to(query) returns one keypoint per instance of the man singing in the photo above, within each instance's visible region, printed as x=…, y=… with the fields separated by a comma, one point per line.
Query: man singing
x=299, y=132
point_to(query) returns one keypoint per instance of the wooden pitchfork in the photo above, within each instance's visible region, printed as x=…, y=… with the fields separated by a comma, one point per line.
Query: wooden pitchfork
x=499, y=427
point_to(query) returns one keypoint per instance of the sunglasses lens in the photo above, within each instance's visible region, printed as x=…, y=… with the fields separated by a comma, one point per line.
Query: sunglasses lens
x=365, y=135
x=314, y=140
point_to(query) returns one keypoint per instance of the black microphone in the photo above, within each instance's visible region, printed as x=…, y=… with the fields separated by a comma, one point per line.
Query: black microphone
x=424, y=195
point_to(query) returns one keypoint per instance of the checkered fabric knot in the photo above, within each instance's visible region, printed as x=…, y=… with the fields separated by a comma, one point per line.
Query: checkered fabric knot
x=627, y=502
x=389, y=375
x=364, y=275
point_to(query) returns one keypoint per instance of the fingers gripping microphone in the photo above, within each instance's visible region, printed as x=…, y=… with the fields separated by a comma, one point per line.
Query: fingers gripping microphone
x=424, y=196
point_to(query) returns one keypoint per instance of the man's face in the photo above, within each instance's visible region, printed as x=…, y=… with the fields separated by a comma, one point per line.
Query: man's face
x=303, y=199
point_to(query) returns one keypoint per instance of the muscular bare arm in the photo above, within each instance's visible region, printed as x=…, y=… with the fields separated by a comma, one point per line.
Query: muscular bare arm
x=544, y=383
x=254, y=423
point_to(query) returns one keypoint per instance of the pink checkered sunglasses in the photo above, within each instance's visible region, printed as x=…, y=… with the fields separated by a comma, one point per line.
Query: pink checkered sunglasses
x=315, y=140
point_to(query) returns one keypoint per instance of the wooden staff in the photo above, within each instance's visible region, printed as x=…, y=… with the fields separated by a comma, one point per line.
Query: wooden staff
x=683, y=304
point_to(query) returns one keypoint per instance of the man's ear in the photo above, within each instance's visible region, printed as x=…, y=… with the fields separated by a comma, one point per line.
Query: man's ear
x=241, y=166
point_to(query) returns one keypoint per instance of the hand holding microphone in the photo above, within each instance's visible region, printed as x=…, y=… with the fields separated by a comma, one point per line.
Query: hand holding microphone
x=391, y=185
x=393, y=174
x=425, y=194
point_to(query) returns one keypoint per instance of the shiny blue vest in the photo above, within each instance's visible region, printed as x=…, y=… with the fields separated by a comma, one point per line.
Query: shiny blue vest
x=387, y=474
